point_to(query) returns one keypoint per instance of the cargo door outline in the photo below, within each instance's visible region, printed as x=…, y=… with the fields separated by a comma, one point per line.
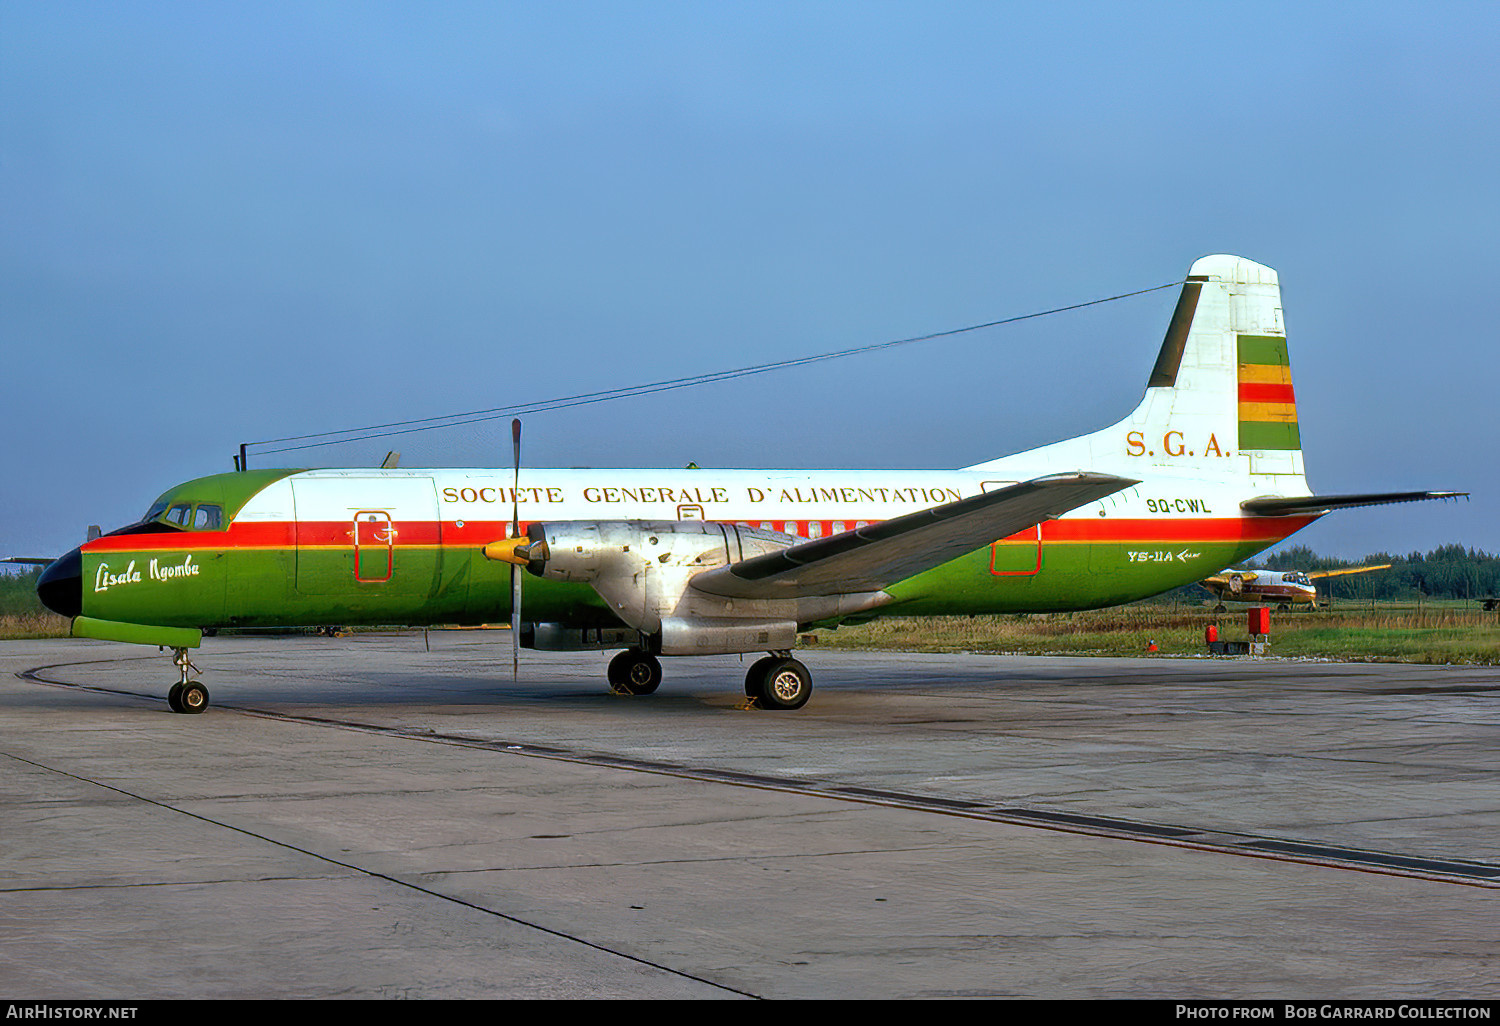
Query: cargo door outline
x=1011, y=557
x=374, y=546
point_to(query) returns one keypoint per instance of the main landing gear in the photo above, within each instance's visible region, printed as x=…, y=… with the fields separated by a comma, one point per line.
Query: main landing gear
x=776, y=682
x=186, y=696
x=633, y=672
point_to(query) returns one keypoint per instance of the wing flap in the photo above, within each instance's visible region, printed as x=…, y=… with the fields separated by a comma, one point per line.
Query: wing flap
x=869, y=558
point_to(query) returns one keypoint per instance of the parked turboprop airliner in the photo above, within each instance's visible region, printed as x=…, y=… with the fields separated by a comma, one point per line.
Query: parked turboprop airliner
x=1206, y=472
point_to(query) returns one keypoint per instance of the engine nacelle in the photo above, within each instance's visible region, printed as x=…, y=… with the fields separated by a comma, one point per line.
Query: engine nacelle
x=644, y=569
x=584, y=551
x=721, y=635
x=561, y=637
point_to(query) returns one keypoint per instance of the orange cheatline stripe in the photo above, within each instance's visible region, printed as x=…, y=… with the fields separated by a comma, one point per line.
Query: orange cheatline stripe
x=410, y=534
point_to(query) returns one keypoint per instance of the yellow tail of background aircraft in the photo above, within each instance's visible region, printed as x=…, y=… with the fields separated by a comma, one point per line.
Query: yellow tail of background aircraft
x=1205, y=472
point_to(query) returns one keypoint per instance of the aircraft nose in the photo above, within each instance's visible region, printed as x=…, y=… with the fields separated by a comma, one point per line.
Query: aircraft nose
x=61, y=585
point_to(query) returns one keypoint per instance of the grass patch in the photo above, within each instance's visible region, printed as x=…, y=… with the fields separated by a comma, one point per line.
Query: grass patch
x=1446, y=633
x=24, y=626
x=1437, y=633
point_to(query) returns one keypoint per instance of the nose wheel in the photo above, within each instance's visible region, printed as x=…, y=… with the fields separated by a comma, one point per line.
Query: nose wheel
x=186, y=696
x=191, y=697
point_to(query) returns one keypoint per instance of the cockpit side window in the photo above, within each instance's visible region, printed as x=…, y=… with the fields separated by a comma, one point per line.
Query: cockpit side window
x=178, y=514
x=206, y=517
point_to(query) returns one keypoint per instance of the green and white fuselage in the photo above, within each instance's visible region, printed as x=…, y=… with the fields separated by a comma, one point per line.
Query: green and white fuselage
x=406, y=546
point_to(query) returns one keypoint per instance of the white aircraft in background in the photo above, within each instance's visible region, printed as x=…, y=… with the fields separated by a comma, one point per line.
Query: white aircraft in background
x=1286, y=588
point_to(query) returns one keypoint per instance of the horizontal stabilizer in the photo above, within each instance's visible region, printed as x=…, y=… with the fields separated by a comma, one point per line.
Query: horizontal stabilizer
x=869, y=558
x=1324, y=503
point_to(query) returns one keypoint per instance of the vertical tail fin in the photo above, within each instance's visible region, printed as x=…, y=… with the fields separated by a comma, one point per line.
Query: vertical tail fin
x=1219, y=402
x=1224, y=376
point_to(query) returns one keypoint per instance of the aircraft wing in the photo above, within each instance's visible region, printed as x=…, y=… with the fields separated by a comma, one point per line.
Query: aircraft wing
x=1351, y=570
x=869, y=558
x=1276, y=507
x=30, y=560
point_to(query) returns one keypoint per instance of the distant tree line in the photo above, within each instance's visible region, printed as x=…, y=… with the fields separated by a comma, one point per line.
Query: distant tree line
x=1447, y=572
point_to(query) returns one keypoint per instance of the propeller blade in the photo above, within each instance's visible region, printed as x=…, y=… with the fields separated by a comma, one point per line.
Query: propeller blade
x=515, y=569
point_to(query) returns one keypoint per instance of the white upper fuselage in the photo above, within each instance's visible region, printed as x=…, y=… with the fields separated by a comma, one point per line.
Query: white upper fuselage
x=807, y=503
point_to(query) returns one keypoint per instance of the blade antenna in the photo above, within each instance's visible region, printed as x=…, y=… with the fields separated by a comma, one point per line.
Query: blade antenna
x=515, y=571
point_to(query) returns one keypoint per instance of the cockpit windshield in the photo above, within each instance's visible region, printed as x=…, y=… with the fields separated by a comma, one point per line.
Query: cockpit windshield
x=187, y=515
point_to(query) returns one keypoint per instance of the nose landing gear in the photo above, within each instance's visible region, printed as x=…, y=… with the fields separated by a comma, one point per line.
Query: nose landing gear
x=186, y=696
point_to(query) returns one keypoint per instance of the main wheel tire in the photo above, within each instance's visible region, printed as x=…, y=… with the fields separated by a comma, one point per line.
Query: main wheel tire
x=785, y=684
x=755, y=677
x=633, y=672
x=174, y=698
x=193, y=698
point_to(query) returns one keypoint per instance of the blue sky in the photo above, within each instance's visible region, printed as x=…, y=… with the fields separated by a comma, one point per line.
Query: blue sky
x=229, y=222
